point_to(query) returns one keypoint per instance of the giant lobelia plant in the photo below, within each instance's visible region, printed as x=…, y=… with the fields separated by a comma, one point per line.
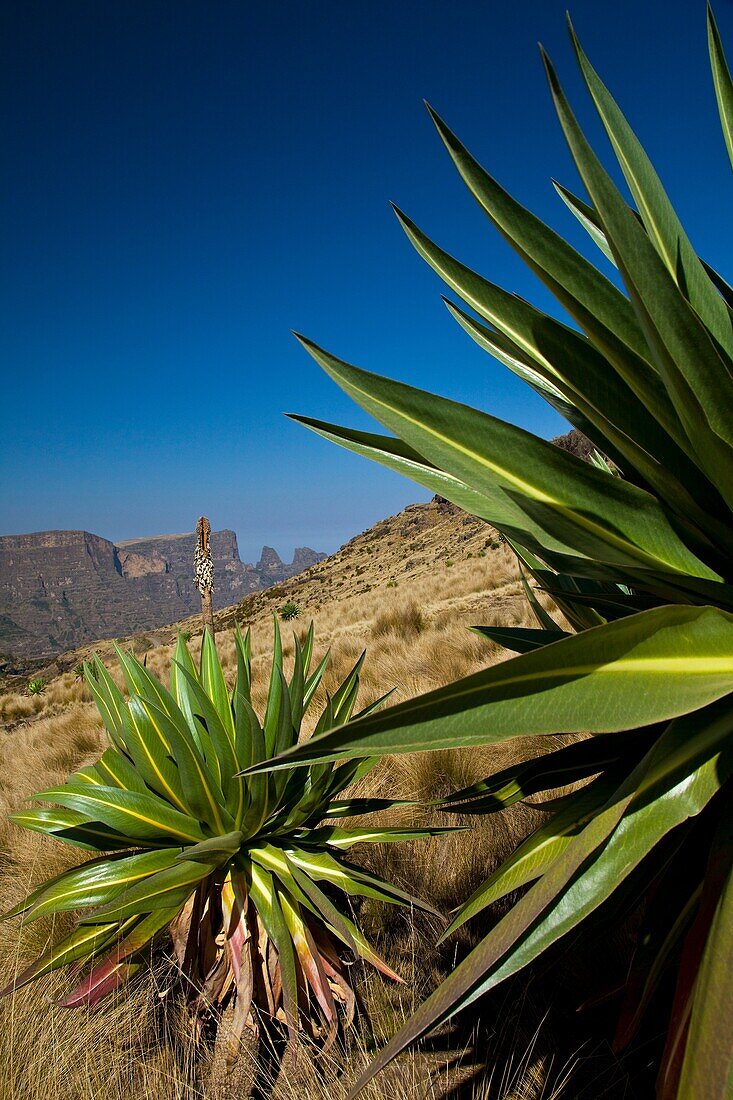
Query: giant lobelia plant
x=248, y=873
x=635, y=548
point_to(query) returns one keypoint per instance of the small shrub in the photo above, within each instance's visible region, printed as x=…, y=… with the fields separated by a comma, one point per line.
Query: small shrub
x=255, y=852
x=36, y=686
x=391, y=584
x=186, y=635
x=289, y=610
x=448, y=562
x=79, y=671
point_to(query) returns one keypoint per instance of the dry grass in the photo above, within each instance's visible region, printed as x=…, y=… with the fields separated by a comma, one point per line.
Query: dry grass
x=417, y=638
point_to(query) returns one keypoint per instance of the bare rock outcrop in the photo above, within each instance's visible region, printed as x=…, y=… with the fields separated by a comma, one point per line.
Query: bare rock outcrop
x=61, y=589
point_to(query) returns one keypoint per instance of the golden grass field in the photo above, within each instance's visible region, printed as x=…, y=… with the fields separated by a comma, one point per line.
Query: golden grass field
x=414, y=622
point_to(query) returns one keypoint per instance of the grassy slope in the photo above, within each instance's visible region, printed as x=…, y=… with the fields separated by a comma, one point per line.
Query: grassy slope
x=406, y=590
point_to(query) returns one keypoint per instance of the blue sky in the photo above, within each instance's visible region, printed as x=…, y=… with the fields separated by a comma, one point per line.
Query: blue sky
x=186, y=182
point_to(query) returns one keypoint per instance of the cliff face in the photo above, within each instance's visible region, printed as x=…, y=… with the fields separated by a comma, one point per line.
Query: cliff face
x=60, y=589
x=273, y=570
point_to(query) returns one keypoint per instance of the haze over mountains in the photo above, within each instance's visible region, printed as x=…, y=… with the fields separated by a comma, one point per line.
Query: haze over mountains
x=60, y=589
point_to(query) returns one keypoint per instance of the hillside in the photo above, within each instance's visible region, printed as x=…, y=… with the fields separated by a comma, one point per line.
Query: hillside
x=431, y=546
x=407, y=590
x=60, y=589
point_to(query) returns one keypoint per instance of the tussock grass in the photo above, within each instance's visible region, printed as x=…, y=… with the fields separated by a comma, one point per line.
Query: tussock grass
x=403, y=620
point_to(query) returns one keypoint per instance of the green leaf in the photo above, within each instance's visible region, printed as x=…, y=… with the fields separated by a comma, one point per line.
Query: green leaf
x=545, y=620
x=587, y=217
x=182, y=694
x=151, y=750
x=139, y=816
x=323, y=866
x=695, y=373
x=213, y=683
x=115, y=770
x=641, y=669
x=81, y=944
x=546, y=772
x=251, y=746
x=533, y=856
x=141, y=682
x=722, y=82
x=296, y=687
x=167, y=889
x=308, y=649
x=355, y=807
x=28, y=901
x=590, y=298
x=222, y=758
x=396, y=455
x=216, y=850
x=336, y=837
x=244, y=662
x=324, y=905
x=78, y=829
x=551, y=346
x=98, y=882
x=553, y=385
x=663, y=227
x=286, y=733
x=520, y=639
x=314, y=680
x=663, y=792
x=599, y=404
x=265, y=896
x=370, y=708
x=271, y=723
x=109, y=700
x=203, y=796
x=607, y=518
x=707, y=1069
x=344, y=697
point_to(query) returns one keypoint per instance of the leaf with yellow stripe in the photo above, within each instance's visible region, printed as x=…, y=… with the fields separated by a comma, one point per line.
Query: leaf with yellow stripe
x=114, y=969
x=78, y=829
x=115, y=770
x=78, y=946
x=607, y=518
x=132, y=814
x=214, y=684
x=695, y=370
x=151, y=753
x=721, y=81
x=98, y=882
x=201, y=792
x=533, y=856
x=109, y=700
x=663, y=227
x=167, y=889
x=641, y=669
x=221, y=757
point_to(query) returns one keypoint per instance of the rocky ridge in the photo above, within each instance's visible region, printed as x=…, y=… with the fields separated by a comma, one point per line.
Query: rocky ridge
x=62, y=589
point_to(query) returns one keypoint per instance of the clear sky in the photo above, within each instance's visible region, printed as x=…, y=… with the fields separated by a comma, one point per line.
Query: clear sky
x=185, y=182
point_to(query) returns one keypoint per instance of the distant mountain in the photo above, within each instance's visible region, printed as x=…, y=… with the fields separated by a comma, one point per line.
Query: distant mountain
x=60, y=589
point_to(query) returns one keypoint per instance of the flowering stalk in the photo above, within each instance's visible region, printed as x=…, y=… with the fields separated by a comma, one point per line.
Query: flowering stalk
x=203, y=568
